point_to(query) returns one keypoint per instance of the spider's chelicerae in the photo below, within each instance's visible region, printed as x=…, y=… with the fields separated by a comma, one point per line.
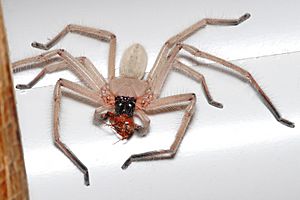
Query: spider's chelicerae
x=131, y=95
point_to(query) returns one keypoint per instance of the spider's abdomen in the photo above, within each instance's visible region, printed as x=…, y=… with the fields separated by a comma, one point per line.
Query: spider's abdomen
x=125, y=105
x=134, y=62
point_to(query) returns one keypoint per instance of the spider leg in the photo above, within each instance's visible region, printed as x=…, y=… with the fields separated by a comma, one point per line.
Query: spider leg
x=167, y=104
x=198, y=77
x=98, y=34
x=196, y=52
x=81, y=66
x=83, y=91
x=161, y=64
x=53, y=65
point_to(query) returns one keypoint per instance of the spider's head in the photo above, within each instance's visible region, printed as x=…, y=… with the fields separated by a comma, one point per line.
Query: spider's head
x=134, y=62
x=121, y=121
x=124, y=105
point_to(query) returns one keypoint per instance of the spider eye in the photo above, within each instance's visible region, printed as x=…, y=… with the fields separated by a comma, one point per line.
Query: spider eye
x=125, y=105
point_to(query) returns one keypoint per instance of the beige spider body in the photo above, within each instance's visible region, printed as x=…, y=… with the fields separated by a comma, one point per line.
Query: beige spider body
x=130, y=95
x=132, y=70
x=123, y=86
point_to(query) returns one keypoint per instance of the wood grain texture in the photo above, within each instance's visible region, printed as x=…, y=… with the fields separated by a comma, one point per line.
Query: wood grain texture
x=13, y=183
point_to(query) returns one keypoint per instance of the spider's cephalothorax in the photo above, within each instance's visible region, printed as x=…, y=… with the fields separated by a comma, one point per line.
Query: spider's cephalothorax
x=131, y=94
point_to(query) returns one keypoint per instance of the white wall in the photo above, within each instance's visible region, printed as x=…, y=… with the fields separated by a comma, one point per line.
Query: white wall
x=240, y=152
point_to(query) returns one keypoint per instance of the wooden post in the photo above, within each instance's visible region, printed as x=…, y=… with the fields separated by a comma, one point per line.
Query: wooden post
x=13, y=183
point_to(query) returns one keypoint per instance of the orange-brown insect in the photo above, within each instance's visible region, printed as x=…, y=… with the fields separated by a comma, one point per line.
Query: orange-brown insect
x=122, y=124
x=121, y=120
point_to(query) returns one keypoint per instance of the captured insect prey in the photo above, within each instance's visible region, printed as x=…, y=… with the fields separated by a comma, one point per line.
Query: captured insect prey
x=132, y=94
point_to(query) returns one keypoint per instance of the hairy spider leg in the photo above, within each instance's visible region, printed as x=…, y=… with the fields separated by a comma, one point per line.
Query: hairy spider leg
x=162, y=67
x=53, y=64
x=196, y=52
x=98, y=34
x=187, y=101
x=85, y=92
x=177, y=65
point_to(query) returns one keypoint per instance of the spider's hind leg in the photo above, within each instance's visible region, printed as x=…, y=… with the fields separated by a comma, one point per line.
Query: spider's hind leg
x=266, y=100
x=198, y=77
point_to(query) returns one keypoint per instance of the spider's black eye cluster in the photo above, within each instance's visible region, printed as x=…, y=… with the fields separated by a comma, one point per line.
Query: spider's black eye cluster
x=124, y=105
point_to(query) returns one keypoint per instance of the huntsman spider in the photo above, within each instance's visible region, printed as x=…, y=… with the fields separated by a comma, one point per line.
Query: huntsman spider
x=131, y=95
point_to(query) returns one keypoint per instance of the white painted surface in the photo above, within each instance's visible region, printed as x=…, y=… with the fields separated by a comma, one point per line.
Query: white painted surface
x=239, y=152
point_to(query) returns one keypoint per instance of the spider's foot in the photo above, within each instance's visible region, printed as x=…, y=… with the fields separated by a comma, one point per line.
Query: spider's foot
x=244, y=18
x=23, y=86
x=216, y=104
x=286, y=123
x=39, y=45
x=126, y=163
x=86, y=178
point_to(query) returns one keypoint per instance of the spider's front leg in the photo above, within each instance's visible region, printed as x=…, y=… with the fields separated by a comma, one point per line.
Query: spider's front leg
x=166, y=104
x=85, y=92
